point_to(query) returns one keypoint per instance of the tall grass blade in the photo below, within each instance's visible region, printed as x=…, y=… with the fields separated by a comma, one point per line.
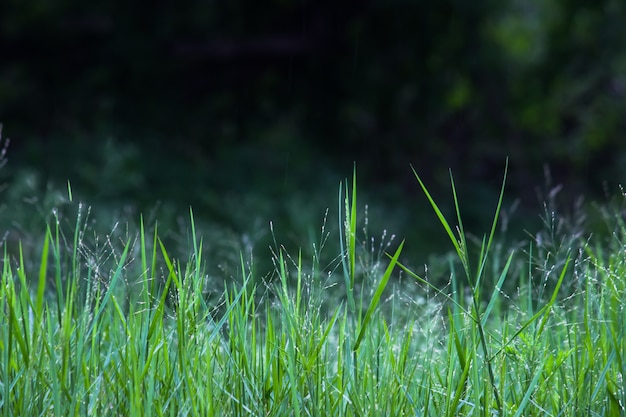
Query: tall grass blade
x=496, y=216
x=379, y=292
x=441, y=217
x=348, y=248
x=352, y=232
x=43, y=271
x=496, y=290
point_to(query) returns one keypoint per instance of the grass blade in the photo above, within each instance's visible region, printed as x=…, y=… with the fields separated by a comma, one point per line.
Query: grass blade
x=379, y=292
x=440, y=216
x=43, y=270
x=496, y=290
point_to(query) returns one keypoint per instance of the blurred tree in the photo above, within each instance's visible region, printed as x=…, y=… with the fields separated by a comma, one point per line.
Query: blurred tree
x=441, y=84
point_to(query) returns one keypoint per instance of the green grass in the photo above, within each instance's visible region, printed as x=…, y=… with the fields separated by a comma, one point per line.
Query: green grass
x=113, y=325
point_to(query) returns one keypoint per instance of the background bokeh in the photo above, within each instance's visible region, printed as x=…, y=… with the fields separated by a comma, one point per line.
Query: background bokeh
x=255, y=111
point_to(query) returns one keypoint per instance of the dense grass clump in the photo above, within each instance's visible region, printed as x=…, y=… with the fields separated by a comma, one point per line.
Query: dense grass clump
x=113, y=325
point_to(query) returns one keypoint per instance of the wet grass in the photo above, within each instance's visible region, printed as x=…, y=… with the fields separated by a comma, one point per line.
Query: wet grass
x=113, y=324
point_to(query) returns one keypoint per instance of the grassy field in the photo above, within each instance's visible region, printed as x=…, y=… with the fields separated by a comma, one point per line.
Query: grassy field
x=112, y=324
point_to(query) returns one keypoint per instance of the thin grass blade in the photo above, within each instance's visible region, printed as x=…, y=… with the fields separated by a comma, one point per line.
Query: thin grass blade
x=379, y=292
x=440, y=215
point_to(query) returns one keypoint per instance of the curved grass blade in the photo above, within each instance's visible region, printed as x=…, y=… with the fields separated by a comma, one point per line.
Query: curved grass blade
x=440, y=216
x=379, y=292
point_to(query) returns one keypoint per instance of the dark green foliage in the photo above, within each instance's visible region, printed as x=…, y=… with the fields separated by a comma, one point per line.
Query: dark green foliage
x=439, y=84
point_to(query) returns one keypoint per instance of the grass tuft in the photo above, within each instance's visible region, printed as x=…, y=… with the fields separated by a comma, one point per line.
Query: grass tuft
x=116, y=324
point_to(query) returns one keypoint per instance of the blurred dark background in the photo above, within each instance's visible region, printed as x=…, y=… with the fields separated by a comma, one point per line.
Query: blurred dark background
x=205, y=102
